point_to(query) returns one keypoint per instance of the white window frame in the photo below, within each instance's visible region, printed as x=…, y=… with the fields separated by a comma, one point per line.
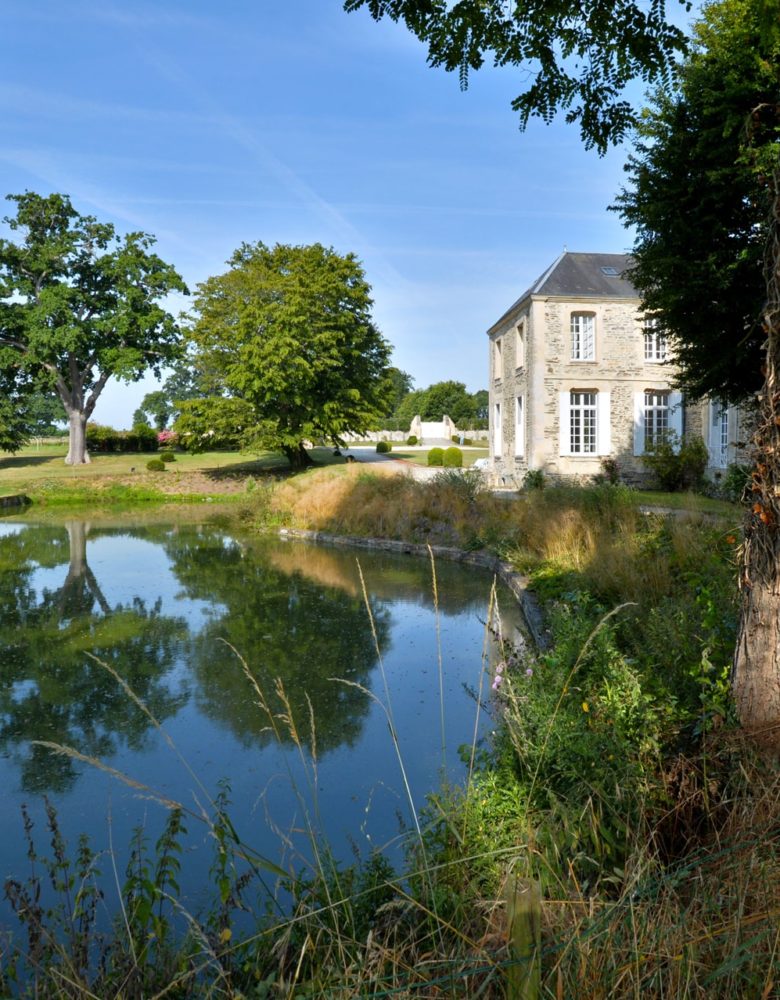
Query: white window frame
x=674, y=411
x=718, y=442
x=520, y=344
x=582, y=331
x=497, y=437
x=519, y=427
x=498, y=358
x=599, y=408
x=654, y=341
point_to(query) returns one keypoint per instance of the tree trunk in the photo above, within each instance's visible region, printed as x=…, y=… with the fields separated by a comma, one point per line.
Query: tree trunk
x=756, y=669
x=298, y=457
x=77, y=438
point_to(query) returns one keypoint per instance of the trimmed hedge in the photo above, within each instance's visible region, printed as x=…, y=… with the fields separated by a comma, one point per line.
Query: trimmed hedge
x=107, y=440
x=156, y=465
x=453, y=458
x=167, y=456
x=383, y=447
x=412, y=439
x=436, y=456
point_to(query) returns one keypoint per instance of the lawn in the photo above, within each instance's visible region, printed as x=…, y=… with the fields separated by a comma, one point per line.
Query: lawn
x=42, y=467
x=470, y=455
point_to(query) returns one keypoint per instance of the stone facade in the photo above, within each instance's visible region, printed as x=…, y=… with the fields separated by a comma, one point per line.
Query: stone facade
x=578, y=374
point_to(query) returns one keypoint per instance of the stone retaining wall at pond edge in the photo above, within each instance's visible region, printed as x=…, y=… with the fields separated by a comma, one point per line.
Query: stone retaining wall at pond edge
x=516, y=582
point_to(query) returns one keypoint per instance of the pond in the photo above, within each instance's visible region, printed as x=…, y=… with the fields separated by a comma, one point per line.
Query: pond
x=259, y=666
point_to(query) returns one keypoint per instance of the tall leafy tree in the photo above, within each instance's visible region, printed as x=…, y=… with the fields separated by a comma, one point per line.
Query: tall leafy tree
x=576, y=57
x=699, y=206
x=706, y=203
x=292, y=353
x=80, y=305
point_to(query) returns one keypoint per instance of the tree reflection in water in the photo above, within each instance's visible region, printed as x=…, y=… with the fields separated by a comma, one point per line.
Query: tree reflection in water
x=284, y=626
x=50, y=689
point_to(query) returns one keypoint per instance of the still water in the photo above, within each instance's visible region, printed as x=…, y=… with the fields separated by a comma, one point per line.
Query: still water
x=174, y=610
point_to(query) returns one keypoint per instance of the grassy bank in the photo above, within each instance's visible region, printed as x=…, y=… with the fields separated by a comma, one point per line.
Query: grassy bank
x=616, y=782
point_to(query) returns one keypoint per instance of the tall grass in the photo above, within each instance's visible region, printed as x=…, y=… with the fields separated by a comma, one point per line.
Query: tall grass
x=614, y=781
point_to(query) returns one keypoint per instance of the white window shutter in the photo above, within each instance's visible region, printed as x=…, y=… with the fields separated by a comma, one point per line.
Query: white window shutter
x=564, y=423
x=603, y=425
x=639, y=423
x=676, y=411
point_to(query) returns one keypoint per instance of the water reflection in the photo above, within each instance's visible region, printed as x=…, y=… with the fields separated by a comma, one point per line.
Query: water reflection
x=284, y=626
x=50, y=689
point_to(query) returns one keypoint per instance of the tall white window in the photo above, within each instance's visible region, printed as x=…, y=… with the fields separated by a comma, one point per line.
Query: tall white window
x=585, y=424
x=520, y=345
x=657, y=412
x=519, y=426
x=582, y=423
x=497, y=437
x=656, y=417
x=719, y=435
x=498, y=364
x=655, y=340
x=583, y=337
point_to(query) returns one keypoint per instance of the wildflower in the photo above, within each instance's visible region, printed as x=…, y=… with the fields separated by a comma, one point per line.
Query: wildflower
x=585, y=706
x=497, y=682
x=730, y=539
x=500, y=667
x=529, y=672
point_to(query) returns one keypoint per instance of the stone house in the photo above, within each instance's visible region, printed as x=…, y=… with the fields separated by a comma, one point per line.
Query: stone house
x=579, y=373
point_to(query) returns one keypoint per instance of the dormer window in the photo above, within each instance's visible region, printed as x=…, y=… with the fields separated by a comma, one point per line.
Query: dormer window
x=583, y=336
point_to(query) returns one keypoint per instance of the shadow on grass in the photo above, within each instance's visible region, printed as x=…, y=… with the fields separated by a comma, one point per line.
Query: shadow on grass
x=22, y=461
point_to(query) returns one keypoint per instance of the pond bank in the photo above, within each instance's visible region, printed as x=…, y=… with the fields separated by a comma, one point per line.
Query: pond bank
x=504, y=571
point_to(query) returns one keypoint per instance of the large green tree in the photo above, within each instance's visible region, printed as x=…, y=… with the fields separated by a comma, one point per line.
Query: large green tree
x=706, y=204
x=293, y=354
x=576, y=57
x=80, y=305
x=699, y=206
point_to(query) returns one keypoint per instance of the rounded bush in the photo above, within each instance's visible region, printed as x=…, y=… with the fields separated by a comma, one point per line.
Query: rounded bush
x=167, y=456
x=436, y=456
x=453, y=458
x=383, y=447
x=412, y=439
x=156, y=465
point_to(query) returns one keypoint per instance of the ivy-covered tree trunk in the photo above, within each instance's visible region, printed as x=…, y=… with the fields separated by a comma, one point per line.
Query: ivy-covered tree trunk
x=756, y=670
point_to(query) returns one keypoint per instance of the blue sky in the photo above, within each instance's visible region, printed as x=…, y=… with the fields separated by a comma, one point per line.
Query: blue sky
x=290, y=121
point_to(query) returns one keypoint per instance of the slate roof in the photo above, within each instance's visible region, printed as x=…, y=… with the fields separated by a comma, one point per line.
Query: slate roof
x=581, y=275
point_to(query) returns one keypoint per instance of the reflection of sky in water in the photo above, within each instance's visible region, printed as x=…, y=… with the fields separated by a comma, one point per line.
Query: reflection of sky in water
x=126, y=567
x=358, y=790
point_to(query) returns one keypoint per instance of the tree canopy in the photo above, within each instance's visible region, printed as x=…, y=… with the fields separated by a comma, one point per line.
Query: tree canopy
x=576, y=57
x=79, y=305
x=292, y=353
x=698, y=200
x=450, y=398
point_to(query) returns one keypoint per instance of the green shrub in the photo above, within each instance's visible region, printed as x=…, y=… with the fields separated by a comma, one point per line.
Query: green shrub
x=436, y=456
x=453, y=458
x=610, y=471
x=412, y=439
x=735, y=482
x=155, y=465
x=167, y=456
x=677, y=465
x=383, y=447
x=533, y=480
